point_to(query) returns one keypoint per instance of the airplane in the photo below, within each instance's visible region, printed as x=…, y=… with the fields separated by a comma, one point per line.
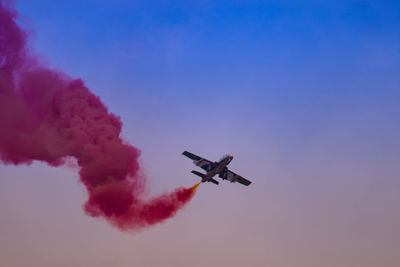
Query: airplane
x=214, y=168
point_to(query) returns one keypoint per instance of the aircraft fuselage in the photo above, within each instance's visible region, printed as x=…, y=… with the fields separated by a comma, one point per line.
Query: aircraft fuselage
x=213, y=168
x=217, y=168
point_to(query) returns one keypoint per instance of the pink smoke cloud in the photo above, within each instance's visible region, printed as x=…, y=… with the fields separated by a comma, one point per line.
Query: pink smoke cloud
x=47, y=116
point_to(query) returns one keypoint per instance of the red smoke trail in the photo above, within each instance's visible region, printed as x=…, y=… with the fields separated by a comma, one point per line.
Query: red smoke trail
x=47, y=116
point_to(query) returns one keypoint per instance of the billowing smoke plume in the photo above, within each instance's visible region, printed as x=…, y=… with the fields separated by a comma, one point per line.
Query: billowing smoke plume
x=47, y=116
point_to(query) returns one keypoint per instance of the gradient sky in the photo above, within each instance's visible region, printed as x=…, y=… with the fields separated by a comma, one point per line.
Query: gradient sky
x=304, y=94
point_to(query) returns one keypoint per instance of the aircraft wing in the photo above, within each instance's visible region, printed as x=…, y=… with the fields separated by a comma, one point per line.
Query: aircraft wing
x=203, y=163
x=233, y=177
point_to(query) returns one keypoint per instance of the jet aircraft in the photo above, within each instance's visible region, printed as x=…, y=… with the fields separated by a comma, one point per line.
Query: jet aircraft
x=214, y=168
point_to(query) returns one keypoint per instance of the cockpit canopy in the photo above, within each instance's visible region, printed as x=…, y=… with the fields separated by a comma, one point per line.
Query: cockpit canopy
x=224, y=157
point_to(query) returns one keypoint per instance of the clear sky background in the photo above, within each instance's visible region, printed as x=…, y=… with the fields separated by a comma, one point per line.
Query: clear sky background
x=304, y=94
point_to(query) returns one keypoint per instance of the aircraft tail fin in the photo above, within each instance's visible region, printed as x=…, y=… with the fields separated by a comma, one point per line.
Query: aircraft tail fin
x=202, y=176
x=199, y=174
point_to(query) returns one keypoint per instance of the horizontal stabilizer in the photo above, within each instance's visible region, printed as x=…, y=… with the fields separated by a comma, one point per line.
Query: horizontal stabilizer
x=198, y=174
x=213, y=181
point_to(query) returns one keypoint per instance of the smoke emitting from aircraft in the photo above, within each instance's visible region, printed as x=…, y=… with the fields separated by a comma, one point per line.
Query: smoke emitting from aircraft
x=47, y=116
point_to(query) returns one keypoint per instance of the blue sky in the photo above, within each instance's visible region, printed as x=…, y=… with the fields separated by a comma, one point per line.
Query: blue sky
x=298, y=64
x=304, y=94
